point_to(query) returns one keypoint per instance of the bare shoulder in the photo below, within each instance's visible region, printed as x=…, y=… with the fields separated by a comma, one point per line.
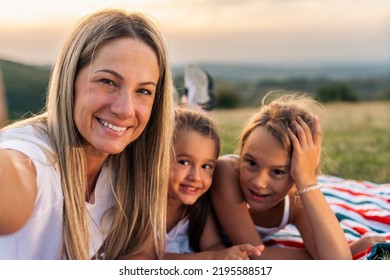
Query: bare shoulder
x=228, y=163
x=227, y=170
x=226, y=177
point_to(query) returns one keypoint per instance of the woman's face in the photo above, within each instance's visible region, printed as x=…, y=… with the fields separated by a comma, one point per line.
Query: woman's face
x=193, y=167
x=264, y=171
x=114, y=95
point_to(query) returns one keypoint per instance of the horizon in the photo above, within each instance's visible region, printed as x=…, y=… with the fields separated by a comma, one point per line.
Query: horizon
x=306, y=65
x=262, y=32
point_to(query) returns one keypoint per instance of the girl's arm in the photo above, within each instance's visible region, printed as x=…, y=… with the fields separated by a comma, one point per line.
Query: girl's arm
x=18, y=190
x=237, y=252
x=364, y=243
x=212, y=247
x=319, y=227
x=229, y=203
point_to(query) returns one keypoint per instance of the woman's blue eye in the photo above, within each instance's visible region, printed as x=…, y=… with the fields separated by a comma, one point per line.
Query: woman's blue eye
x=145, y=91
x=107, y=82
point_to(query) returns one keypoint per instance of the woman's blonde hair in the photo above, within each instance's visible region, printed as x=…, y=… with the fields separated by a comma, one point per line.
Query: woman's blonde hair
x=277, y=112
x=139, y=174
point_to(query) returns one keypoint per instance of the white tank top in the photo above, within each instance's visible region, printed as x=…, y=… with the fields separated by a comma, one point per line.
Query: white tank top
x=286, y=213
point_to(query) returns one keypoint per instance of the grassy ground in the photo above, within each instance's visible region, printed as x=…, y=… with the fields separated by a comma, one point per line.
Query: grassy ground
x=356, y=138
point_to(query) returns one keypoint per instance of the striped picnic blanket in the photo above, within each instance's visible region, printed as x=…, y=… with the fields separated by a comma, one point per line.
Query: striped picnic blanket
x=362, y=208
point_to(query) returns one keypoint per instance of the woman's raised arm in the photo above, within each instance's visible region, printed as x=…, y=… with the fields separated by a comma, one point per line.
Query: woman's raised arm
x=18, y=190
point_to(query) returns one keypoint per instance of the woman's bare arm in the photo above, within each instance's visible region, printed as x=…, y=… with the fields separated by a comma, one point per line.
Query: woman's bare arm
x=18, y=190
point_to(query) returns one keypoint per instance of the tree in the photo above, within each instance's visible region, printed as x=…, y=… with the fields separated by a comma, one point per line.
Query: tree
x=336, y=91
x=227, y=98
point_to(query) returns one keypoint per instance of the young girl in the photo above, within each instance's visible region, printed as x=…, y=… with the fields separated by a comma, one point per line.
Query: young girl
x=190, y=223
x=273, y=182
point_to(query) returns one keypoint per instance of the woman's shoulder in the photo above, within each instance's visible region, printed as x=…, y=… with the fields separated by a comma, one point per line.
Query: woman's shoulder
x=31, y=140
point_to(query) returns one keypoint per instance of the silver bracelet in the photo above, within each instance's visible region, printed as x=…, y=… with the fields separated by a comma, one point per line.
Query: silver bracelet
x=308, y=189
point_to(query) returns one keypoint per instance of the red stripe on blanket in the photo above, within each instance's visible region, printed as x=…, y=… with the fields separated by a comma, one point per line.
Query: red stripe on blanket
x=380, y=219
x=354, y=193
x=362, y=254
x=360, y=230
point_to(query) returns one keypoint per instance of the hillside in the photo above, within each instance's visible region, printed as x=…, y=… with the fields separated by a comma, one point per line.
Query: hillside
x=25, y=87
x=249, y=82
x=247, y=72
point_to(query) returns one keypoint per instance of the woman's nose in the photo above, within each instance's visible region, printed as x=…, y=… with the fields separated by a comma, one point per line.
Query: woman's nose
x=124, y=104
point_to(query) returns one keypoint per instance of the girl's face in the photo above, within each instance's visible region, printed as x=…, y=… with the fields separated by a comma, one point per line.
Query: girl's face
x=114, y=95
x=193, y=167
x=264, y=171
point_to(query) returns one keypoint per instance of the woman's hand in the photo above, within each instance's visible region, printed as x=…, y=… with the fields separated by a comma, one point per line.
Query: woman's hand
x=306, y=152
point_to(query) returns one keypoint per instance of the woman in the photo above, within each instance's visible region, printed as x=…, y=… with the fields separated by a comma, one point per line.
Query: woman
x=79, y=181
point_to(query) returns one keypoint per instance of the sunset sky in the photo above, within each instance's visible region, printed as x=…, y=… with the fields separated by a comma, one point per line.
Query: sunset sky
x=227, y=31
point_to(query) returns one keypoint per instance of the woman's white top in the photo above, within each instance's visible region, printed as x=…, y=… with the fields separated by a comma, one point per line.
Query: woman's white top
x=178, y=240
x=40, y=237
x=286, y=213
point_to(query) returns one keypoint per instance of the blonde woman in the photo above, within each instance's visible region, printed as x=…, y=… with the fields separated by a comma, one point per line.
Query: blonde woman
x=88, y=177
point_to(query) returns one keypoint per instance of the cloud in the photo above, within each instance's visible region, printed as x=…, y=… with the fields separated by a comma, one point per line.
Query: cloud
x=224, y=30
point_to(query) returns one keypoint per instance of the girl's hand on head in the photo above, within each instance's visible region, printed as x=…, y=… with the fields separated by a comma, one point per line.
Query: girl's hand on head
x=306, y=154
x=239, y=252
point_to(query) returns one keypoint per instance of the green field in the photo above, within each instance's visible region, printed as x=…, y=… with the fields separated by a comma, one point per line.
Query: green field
x=356, y=138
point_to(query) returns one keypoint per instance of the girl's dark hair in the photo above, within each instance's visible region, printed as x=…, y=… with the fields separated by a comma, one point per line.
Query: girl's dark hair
x=198, y=121
x=197, y=214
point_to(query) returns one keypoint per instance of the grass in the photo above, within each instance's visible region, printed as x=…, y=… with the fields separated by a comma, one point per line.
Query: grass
x=356, y=140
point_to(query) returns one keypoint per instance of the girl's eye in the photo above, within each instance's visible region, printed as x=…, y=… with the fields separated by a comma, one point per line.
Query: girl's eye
x=183, y=162
x=278, y=172
x=250, y=163
x=208, y=166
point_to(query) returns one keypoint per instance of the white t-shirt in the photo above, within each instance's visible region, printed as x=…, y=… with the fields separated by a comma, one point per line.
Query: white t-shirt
x=40, y=237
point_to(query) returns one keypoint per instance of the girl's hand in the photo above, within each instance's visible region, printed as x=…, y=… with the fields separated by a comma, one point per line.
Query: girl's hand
x=306, y=154
x=239, y=252
x=364, y=243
